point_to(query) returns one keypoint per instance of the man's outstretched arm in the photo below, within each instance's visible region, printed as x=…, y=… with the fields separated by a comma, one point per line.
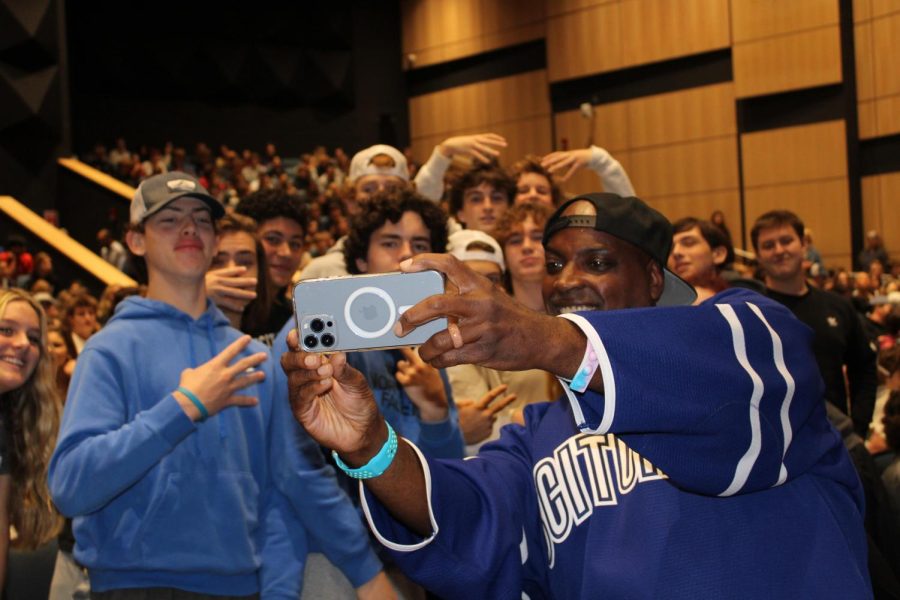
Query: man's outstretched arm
x=334, y=404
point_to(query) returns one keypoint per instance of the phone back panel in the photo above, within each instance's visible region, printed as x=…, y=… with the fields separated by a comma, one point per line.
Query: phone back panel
x=360, y=311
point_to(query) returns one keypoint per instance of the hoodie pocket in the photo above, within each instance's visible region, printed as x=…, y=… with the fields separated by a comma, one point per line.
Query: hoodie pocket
x=205, y=522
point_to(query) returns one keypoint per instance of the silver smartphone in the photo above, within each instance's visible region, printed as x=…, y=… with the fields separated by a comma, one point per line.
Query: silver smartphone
x=358, y=312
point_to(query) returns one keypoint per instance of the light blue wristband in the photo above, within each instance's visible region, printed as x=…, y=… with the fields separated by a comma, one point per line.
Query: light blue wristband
x=378, y=463
x=204, y=414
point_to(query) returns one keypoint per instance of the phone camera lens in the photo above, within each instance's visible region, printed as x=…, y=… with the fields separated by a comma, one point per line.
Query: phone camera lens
x=312, y=341
x=328, y=340
x=316, y=325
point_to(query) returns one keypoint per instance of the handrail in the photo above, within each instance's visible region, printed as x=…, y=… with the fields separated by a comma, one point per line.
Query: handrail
x=99, y=177
x=58, y=239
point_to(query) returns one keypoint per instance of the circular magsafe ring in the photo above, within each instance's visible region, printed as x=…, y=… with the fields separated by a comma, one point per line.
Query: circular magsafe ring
x=363, y=333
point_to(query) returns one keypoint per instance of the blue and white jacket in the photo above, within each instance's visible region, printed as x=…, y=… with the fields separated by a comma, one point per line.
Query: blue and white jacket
x=706, y=469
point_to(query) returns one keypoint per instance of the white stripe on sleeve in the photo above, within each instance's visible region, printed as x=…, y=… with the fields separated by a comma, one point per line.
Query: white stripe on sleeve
x=745, y=464
x=778, y=352
x=609, y=382
x=378, y=534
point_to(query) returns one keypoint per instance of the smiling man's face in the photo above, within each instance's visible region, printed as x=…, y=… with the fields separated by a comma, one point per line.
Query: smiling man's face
x=593, y=270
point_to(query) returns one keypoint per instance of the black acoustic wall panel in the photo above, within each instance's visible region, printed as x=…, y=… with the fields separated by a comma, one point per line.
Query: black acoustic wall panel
x=295, y=73
x=33, y=128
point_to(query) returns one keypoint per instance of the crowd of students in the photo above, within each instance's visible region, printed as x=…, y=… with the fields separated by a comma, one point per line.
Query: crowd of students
x=168, y=403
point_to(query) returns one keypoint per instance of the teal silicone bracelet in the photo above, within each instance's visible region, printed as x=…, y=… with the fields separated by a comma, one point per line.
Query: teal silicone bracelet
x=378, y=464
x=204, y=414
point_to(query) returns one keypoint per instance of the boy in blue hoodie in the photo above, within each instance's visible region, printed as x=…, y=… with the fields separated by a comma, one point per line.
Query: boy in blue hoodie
x=180, y=471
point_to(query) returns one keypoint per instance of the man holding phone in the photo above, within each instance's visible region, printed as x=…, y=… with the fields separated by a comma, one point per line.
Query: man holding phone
x=181, y=471
x=415, y=397
x=690, y=458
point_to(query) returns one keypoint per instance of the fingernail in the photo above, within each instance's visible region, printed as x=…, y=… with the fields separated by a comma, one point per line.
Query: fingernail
x=398, y=329
x=405, y=264
x=311, y=360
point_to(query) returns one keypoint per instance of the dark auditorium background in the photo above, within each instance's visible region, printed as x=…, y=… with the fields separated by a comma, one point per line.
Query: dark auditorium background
x=738, y=105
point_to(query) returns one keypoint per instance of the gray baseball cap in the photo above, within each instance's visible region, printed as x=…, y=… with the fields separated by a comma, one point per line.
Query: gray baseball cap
x=157, y=191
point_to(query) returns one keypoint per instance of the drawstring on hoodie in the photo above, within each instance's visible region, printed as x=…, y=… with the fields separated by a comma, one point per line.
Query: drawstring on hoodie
x=192, y=352
x=223, y=429
x=210, y=338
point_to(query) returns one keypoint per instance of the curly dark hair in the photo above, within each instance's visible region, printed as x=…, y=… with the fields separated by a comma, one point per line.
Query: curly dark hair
x=490, y=173
x=515, y=215
x=390, y=206
x=264, y=205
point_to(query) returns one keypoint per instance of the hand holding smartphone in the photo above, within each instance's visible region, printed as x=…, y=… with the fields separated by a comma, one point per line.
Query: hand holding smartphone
x=359, y=312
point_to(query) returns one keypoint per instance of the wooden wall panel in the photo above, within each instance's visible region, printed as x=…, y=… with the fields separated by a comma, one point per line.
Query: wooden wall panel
x=584, y=42
x=702, y=206
x=886, y=51
x=610, y=128
x=708, y=165
x=792, y=154
x=872, y=207
x=881, y=210
x=516, y=107
x=437, y=31
x=756, y=19
x=881, y=8
x=803, y=169
x=589, y=38
x=789, y=62
x=781, y=46
x=823, y=206
x=679, y=149
x=480, y=104
x=692, y=114
x=877, y=45
x=559, y=7
x=656, y=30
x=868, y=125
x=523, y=136
x=530, y=136
x=887, y=115
x=886, y=55
x=865, y=61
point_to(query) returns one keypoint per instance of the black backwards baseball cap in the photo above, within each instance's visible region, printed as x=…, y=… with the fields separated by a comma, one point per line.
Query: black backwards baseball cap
x=157, y=191
x=631, y=220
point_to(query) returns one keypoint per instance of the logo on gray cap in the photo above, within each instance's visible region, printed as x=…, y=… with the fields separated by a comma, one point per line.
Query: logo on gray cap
x=181, y=185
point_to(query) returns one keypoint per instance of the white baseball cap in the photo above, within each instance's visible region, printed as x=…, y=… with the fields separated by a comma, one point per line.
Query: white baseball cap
x=458, y=245
x=361, y=165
